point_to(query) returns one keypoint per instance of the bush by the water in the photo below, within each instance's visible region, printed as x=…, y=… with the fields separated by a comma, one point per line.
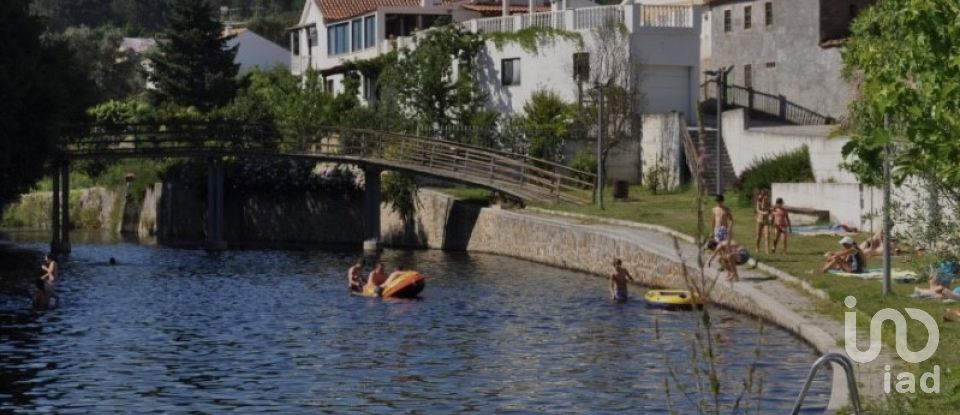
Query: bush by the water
x=791, y=167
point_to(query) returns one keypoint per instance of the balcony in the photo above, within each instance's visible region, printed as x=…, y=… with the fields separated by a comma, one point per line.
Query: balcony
x=649, y=16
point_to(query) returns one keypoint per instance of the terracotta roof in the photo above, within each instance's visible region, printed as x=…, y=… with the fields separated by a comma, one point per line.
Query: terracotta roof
x=334, y=10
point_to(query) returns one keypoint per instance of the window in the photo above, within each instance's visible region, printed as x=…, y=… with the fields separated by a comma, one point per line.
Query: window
x=747, y=17
x=768, y=13
x=295, y=42
x=328, y=86
x=356, y=34
x=771, y=64
x=368, y=88
x=510, y=72
x=727, y=21
x=370, y=31
x=581, y=66
x=748, y=76
x=337, y=40
x=312, y=41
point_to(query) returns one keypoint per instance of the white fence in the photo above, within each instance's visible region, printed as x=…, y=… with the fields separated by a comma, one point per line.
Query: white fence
x=299, y=64
x=666, y=16
x=589, y=18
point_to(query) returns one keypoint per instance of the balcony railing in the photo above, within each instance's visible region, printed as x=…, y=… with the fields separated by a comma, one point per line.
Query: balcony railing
x=586, y=18
x=299, y=64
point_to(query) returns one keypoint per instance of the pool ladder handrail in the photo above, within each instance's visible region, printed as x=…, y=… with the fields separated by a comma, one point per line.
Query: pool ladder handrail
x=847, y=366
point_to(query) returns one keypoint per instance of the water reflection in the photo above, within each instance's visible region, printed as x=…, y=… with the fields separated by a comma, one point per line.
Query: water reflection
x=181, y=330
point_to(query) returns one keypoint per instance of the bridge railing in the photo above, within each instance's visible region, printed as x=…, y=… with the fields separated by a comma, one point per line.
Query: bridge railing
x=512, y=173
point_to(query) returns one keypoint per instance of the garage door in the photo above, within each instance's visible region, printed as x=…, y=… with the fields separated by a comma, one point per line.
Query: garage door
x=667, y=88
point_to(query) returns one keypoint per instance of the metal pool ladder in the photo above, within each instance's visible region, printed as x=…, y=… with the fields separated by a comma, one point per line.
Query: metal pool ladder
x=847, y=366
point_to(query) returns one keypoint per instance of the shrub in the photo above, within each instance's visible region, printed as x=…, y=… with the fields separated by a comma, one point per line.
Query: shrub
x=791, y=167
x=586, y=161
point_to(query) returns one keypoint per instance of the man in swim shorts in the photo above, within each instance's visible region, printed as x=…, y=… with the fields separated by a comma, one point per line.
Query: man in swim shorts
x=731, y=255
x=618, y=281
x=722, y=221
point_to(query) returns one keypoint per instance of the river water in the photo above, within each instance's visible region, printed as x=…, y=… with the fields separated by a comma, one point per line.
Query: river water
x=183, y=330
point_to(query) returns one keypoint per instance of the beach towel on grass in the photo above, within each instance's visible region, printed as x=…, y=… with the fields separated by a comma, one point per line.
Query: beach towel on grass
x=897, y=275
x=814, y=230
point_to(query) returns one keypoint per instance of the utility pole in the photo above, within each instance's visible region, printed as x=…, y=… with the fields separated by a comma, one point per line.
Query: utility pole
x=886, y=209
x=600, y=132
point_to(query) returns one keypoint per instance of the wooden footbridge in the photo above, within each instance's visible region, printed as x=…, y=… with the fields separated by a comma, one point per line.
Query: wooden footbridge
x=511, y=174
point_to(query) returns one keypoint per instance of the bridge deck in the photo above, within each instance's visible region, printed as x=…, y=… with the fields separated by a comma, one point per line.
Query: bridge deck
x=512, y=174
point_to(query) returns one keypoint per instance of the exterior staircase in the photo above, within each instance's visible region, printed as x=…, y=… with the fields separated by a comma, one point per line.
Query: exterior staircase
x=709, y=140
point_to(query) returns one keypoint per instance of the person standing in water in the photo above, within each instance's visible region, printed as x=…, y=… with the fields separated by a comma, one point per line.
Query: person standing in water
x=51, y=271
x=618, y=281
x=355, y=276
x=41, y=298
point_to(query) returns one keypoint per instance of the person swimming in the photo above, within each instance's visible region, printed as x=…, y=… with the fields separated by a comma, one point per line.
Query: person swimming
x=354, y=278
x=376, y=279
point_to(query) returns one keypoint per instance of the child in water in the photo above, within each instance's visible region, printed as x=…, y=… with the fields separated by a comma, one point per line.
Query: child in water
x=618, y=281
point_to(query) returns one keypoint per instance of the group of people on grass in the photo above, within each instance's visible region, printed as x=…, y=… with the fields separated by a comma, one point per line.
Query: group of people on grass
x=773, y=218
x=375, y=281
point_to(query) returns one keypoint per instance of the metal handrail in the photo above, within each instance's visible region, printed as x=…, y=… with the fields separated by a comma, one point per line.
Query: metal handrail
x=847, y=366
x=516, y=174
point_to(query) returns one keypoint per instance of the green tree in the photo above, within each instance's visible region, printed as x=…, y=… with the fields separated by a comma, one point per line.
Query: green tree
x=41, y=92
x=546, y=122
x=421, y=82
x=193, y=67
x=902, y=56
x=115, y=74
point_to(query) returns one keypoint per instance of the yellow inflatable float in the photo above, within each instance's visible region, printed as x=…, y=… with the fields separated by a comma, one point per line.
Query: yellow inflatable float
x=673, y=299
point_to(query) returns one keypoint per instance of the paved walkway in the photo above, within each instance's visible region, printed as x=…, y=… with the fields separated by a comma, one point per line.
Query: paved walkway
x=782, y=297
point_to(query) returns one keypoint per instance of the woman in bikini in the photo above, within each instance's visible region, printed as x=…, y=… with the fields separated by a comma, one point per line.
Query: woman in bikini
x=781, y=225
x=762, y=209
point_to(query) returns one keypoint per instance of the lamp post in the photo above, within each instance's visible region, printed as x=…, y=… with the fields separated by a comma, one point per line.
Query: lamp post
x=886, y=211
x=721, y=75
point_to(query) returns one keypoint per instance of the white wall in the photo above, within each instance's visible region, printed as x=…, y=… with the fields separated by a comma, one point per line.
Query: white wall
x=661, y=143
x=747, y=146
x=849, y=203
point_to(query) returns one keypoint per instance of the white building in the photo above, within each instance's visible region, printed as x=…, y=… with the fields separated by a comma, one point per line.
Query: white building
x=663, y=39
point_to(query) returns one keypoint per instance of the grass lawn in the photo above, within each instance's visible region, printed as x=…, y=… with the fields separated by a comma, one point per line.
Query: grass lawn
x=678, y=211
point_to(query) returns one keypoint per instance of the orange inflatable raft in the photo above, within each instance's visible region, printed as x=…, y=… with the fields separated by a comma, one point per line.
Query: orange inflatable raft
x=407, y=285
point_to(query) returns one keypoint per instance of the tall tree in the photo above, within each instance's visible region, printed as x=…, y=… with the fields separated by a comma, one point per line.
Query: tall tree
x=41, y=91
x=193, y=67
x=117, y=75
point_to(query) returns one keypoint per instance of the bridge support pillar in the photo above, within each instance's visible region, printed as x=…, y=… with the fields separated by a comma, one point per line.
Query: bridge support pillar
x=371, y=209
x=215, y=240
x=60, y=209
